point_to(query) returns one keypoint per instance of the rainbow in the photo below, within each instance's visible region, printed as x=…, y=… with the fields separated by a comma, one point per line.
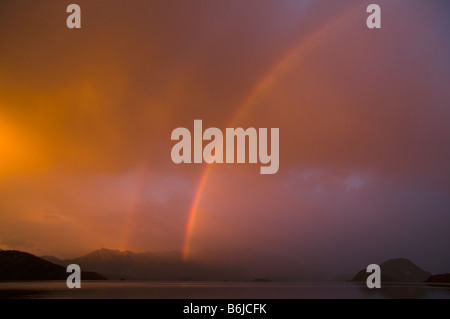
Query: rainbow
x=261, y=86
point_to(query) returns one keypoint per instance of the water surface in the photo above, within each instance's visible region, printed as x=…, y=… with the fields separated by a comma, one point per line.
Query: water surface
x=217, y=290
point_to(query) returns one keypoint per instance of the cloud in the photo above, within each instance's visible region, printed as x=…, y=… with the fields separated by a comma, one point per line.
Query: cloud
x=86, y=117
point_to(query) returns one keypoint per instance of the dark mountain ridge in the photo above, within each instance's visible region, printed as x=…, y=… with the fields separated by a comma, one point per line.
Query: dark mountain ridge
x=17, y=265
x=240, y=265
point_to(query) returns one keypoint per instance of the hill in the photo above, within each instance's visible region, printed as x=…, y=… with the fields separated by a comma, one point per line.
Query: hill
x=17, y=265
x=396, y=270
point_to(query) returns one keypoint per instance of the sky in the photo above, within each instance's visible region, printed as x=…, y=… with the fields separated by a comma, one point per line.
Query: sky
x=86, y=117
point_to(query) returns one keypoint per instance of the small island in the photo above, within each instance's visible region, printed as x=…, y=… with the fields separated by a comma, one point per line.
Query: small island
x=261, y=280
x=439, y=279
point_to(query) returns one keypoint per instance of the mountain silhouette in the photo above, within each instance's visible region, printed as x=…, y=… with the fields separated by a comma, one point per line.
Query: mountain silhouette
x=117, y=264
x=170, y=265
x=396, y=270
x=17, y=265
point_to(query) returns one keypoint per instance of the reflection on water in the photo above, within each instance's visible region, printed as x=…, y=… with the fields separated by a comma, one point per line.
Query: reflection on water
x=192, y=290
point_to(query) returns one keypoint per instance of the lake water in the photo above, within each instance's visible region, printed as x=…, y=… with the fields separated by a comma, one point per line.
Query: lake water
x=227, y=290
